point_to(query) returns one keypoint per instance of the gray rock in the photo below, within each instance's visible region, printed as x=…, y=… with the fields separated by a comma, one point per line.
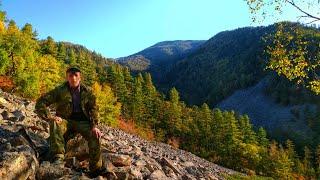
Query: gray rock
x=157, y=175
x=18, y=140
x=145, y=172
x=49, y=171
x=119, y=159
x=18, y=115
x=140, y=163
x=169, y=172
x=18, y=165
x=188, y=177
x=135, y=174
x=3, y=101
x=122, y=172
x=152, y=165
x=170, y=164
x=6, y=115
x=107, y=163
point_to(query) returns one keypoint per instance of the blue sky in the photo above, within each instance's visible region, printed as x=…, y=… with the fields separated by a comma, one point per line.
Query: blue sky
x=117, y=28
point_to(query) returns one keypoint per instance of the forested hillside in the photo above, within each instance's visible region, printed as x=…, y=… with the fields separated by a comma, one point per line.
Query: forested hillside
x=30, y=67
x=228, y=72
x=228, y=61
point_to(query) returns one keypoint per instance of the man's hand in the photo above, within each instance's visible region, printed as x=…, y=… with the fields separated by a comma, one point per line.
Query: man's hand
x=56, y=119
x=96, y=132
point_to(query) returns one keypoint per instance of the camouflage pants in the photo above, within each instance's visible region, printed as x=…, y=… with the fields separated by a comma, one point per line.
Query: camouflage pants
x=60, y=133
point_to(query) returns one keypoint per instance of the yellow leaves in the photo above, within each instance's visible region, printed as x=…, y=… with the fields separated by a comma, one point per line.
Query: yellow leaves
x=291, y=54
x=315, y=86
x=109, y=108
x=2, y=27
x=49, y=71
x=251, y=150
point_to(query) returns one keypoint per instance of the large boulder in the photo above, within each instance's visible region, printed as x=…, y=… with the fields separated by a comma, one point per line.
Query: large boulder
x=18, y=165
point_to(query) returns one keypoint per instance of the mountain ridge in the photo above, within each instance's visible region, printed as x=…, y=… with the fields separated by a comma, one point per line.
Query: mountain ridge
x=156, y=58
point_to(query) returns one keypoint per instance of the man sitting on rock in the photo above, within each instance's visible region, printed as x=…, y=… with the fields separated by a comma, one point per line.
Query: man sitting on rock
x=76, y=112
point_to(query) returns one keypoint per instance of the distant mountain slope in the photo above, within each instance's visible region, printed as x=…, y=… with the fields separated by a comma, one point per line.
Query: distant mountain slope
x=158, y=58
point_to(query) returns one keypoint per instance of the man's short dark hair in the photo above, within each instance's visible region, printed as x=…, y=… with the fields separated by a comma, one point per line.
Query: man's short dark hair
x=73, y=70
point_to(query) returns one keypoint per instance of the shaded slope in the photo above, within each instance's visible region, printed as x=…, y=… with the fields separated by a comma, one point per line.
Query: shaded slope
x=228, y=61
x=282, y=122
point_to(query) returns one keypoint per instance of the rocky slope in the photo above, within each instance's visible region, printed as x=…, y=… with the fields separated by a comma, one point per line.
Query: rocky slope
x=274, y=117
x=23, y=151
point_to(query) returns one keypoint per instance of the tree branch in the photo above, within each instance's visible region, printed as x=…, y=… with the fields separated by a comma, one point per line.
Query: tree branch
x=304, y=12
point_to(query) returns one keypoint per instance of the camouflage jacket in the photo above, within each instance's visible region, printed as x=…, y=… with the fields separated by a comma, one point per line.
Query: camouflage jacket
x=61, y=98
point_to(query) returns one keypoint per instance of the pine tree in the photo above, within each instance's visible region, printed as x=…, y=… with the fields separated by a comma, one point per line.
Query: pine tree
x=62, y=53
x=317, y=155
x=87, y=68
x=150, y=99
x=247, y=133
x=174, y=113
x=205, y=122
x=28, y=31
x=138, y=108
x=308, y=170
x=262, y=137
x=49, y=47
x=72, y=59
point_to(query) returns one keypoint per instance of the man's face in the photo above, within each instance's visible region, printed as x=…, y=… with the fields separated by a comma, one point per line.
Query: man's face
x=73, y=78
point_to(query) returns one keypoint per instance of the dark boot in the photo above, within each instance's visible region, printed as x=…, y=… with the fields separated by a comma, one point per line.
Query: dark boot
x=102, y=172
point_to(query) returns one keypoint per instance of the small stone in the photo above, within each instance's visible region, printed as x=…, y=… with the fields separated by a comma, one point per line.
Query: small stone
x=49, y=171
x=19, y=140
x=3, y=101
x=152, y=165
x=188, y=177
x=193, y=171
x=11, y=160
x=107, y=164
x=170, y=164
x=122, y=172
x=188, y=164
x=135, y=174
x=119, y=159
x=7, y=146
x=144, y=149
x=145, y=172
x=18, y=115
x=72, y=162
x=140, y=163
x=157, y=175
x=137, y=151
x=6, y=115
x=169, y=172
